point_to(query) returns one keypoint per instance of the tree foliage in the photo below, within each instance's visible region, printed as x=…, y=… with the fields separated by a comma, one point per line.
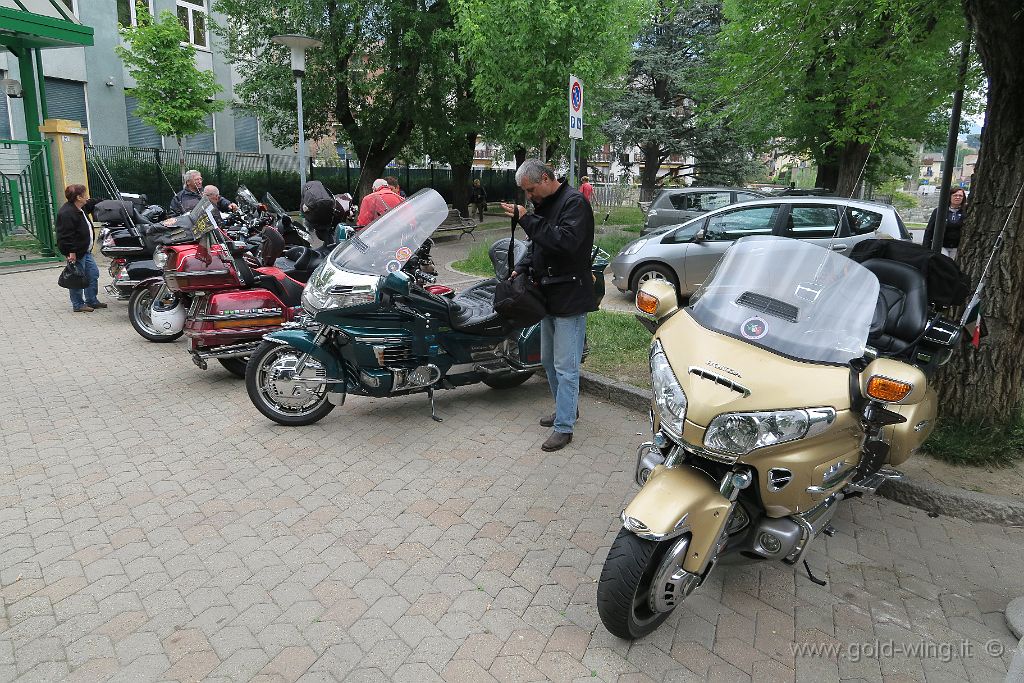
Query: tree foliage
x=524, y=52
x=175, y=96
x=837, y=78
x=669, y=101
x=368, y=83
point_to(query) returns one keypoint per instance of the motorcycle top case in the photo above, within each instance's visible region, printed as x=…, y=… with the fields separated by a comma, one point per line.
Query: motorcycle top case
x=113, y=212
x=318, y=204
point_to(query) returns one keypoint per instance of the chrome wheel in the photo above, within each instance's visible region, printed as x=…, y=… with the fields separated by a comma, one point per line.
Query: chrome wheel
x=142, y=304
x=282, y=390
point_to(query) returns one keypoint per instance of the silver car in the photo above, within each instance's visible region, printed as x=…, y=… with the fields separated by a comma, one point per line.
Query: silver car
x=676, y=205
x=685, y=254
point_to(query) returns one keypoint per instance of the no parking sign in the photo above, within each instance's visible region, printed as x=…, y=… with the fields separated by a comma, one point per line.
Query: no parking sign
x=575, y=108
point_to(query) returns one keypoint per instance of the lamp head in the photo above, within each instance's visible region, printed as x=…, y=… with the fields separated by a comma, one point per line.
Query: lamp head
x=298, y=44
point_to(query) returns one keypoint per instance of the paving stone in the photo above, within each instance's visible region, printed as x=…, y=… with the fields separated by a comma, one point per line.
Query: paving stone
x=141, y=546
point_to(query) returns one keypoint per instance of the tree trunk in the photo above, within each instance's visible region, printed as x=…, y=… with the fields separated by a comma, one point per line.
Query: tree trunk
x=649, y=173
x=984, y=386
x=582, y=166
x=373, y=165
x=851, y=163
x=828, y=174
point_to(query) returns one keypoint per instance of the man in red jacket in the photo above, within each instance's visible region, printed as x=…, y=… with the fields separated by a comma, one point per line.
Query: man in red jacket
x=377, y=203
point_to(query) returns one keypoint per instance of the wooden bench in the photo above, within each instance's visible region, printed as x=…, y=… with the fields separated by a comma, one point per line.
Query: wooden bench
x=456, y=223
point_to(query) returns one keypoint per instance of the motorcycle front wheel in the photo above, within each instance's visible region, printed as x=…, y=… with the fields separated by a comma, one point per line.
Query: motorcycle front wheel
x=281, y=391
x=623, y=594
x=140, y=313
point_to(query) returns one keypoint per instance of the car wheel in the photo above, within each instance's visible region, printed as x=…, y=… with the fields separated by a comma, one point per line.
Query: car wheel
x=652, y=271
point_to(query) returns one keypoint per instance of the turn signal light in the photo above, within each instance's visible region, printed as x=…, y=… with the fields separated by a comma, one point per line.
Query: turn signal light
x=886, y=389
x=646, y=303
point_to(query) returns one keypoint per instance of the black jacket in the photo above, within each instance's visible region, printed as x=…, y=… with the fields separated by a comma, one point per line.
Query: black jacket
x=561, y=231
x=73, y=229
x=184, y=201
x=477, y=195
x=951, y=238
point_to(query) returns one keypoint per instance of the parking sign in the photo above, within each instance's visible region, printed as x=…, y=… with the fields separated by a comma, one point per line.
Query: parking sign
x=575, y=108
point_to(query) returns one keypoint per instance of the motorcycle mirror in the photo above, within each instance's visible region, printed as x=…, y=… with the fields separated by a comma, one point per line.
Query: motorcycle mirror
x=397, y=282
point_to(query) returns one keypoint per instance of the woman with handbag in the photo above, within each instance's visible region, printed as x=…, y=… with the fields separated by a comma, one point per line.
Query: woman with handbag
x=74, y=240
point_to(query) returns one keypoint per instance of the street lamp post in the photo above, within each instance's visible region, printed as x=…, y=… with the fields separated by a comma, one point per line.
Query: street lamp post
x=299, y=44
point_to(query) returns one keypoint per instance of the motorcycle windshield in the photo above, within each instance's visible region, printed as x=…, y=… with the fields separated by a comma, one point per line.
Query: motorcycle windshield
x=791, y=297
x=272, y=204
x=386, y=244
x=244, y=197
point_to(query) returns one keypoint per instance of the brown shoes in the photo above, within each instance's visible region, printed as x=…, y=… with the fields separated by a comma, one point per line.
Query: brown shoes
x=556, y=441
x=84, y=309
x=98, y=304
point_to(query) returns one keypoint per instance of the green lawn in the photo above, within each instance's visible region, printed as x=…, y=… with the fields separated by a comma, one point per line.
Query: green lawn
x=20, y=243
x=618, y=347
x=631, y=217
x=478, y=263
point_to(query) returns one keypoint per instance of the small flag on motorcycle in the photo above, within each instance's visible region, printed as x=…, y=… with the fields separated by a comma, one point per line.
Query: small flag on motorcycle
x=975, y=325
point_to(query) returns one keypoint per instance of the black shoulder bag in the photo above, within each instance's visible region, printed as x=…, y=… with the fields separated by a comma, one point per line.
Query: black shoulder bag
x=518, y=299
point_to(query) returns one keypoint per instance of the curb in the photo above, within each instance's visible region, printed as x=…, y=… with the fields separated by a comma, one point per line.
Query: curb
x=946, y=500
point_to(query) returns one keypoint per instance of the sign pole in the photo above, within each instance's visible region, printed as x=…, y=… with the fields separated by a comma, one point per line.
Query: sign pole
x=575, y=123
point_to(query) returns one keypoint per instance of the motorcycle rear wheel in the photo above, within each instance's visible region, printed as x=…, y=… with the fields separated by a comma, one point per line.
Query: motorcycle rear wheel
x=625, y=587
x=268, y=380
x=236, y=366
x=139, y=306
x=507, y=381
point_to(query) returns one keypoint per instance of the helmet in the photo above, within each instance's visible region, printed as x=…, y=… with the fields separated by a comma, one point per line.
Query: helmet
x=167, y=317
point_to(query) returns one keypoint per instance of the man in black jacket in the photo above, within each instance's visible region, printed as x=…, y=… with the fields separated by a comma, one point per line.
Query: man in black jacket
x=561, y=231
x=191, y=194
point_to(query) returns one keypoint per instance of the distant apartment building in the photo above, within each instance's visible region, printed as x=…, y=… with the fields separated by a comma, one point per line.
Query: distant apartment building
x=91, y=85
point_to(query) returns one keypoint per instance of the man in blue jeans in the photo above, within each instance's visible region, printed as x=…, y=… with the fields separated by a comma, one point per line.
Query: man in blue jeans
x=561, y=231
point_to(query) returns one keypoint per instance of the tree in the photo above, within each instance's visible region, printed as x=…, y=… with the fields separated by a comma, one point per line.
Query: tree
x=367, y=83
x=524, y=52
x=664, y=108
x=839, y=79
x=984, y=387
x=175, y=96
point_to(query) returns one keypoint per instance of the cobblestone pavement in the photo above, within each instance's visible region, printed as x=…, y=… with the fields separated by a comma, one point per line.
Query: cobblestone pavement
x=153, y=526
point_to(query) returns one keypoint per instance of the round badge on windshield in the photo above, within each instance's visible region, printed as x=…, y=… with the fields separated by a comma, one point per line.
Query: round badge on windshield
x=754, y=328
x=393, y=266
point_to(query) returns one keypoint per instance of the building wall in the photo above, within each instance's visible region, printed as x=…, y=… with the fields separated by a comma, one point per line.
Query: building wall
x=105, y=79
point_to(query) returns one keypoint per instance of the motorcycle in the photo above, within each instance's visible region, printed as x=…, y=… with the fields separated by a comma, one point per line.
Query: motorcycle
x=795, y=379
x=369, y=330
x=122, y=241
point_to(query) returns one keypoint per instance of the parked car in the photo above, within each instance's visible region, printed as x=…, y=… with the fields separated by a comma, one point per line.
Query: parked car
x=678, y=204
x=685, y=254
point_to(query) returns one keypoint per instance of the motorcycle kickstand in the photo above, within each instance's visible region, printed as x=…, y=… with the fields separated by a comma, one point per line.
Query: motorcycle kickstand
x=433, y=414
x=812, y=577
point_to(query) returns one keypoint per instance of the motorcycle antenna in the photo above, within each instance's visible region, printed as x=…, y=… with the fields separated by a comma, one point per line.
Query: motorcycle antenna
x=107, y=178
x=860, y=177
x=986, y=273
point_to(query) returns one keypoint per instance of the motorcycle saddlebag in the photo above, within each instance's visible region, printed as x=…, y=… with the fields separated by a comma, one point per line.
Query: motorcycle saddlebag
x=113, y=212
x=317, y=203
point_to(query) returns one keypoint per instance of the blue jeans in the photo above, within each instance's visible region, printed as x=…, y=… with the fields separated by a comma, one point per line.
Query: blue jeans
x=561, y=352
x=87, y=296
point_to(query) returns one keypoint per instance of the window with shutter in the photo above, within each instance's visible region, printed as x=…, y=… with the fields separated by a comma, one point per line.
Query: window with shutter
x=140, y=134
x=66, y=100
x=247, y=132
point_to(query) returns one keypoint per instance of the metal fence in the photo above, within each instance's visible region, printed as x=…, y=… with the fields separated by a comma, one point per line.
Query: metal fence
x=156, y=173
x=26, y=197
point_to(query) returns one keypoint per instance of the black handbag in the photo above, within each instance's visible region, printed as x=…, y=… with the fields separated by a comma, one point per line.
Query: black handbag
x=72, y=277
x=518, y=299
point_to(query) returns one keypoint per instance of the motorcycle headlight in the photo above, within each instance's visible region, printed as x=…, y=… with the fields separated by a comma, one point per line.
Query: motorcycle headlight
x=159, y=258
x=740, y=433
x=329, y=288
x=668, y=395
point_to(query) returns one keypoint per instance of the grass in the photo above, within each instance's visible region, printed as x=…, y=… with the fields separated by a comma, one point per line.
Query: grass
x=20, y=243
x=628, y=218
x=916, y=226
x=618, y=347
x=977, y=445
x=477, y=262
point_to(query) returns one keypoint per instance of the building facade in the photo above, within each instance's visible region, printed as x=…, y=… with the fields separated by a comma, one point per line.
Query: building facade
x=91, y=85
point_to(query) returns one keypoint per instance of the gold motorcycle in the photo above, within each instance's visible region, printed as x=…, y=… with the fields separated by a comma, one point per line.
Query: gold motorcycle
x=796, y=378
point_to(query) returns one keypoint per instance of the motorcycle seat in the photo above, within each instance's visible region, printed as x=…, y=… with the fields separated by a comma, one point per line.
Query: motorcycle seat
x=901, y=313
x=276, y=281
x=472, y=311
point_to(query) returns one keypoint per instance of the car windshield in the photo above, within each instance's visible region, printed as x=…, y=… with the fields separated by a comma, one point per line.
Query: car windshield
x=387, y=243
x=791, y=297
